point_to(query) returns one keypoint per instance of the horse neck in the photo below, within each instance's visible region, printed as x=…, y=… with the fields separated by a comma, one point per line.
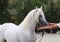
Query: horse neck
x=28, y=24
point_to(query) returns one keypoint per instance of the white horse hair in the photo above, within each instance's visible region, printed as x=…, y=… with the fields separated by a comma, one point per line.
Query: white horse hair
x=3, y=29
x=25, y=32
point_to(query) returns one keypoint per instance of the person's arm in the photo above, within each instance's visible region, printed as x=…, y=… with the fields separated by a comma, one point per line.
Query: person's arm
x=49, y=27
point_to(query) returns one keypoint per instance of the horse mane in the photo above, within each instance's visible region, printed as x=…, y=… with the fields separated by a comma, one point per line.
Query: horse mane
x=30, y=14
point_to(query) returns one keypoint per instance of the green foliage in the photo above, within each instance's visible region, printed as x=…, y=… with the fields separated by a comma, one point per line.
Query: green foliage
x=51, y=9
x=4, y=15
x=25, y=8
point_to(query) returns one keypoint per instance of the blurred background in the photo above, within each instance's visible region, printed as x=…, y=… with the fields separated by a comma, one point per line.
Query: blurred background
x=14, y=11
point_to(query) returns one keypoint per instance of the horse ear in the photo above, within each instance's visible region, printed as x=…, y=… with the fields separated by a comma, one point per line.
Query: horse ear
x=36, y=8
x=41, y=7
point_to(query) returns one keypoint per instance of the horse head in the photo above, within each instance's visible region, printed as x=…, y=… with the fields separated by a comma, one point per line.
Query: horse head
x=42, y=19
x=39, y=15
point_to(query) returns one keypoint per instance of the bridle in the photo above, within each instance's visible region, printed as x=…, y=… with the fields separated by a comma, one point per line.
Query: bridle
x=43, y=23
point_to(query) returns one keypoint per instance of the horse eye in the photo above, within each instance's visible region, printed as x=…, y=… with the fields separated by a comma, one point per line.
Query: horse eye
x=40, y=15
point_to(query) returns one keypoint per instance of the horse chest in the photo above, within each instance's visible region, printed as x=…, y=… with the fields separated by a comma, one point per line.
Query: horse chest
x=26, y=36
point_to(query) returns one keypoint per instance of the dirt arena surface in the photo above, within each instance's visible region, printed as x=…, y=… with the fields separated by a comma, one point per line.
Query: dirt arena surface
x=51, y=37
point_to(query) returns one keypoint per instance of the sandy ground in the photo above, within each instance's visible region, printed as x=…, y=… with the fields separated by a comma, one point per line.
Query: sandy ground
x=48, y=37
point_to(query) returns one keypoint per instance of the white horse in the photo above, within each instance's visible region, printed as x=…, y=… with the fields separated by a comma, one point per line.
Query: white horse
x=25, y=32
x=3, y=29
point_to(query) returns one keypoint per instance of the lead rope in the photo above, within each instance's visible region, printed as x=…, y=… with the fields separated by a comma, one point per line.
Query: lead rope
x=42, y=36
x=42, y=33
x=39, y=40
